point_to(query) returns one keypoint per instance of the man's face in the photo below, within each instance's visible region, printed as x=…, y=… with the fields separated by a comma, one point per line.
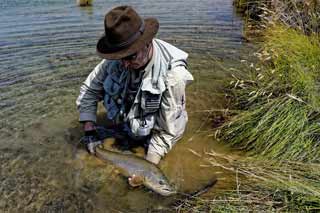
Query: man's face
x=138, y=59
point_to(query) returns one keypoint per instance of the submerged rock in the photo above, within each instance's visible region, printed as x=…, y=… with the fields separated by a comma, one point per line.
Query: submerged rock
x=84, y=3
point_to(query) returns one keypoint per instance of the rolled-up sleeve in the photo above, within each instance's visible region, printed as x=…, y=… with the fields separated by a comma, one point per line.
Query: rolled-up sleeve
x=91, y=92
x=172, y=116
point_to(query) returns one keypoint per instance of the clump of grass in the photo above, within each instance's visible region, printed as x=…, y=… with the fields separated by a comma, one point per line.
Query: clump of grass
x=296, y=62
x=263, y=187
x=280, y=100
x=255, y=198
x=300, y=15
x=254, y=13
x=252, y=9
x=280, y=129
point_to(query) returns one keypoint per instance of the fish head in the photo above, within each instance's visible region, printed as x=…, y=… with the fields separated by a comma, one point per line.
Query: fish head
x=159, y=184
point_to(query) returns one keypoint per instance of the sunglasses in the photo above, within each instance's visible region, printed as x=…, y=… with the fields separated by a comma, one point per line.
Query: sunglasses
x=130, y=57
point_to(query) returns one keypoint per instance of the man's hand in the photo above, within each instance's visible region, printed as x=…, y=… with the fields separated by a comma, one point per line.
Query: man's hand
x=91, y=138
x=135, y=181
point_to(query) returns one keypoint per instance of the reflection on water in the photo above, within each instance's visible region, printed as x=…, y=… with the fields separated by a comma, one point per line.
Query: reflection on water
x=47, y=48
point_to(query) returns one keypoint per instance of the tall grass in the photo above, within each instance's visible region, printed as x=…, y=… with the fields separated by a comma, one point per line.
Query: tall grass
x=282, y=129
x=280, y=100
x=276, y=116
x=296, y=62
x=303, y=15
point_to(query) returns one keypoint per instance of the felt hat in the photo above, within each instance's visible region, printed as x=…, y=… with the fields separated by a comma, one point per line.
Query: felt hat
x=125, y=33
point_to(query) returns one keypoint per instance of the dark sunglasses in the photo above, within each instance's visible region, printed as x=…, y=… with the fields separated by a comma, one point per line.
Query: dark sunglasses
x=130, y=57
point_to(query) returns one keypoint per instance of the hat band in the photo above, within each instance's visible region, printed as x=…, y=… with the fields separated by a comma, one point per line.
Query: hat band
x=123, y=45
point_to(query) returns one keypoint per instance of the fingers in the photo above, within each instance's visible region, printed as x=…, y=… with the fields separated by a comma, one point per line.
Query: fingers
x=135, y=181
x=132, y=177
x=91, y=148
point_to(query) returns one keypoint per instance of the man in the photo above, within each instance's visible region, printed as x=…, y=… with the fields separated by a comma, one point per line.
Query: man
x=141, y=81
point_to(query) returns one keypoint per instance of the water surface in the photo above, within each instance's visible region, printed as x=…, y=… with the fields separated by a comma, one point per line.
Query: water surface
x=47, y=48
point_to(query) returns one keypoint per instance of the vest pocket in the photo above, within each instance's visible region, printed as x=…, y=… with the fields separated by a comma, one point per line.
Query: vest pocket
x=150, y=103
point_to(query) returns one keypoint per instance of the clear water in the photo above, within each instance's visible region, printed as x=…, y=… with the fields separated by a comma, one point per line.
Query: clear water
x=47, y=48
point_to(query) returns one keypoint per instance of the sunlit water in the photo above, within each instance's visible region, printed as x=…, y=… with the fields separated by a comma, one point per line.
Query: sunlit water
x=47, y=48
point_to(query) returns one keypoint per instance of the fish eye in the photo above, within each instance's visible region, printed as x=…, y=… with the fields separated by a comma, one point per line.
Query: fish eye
x=161, y=182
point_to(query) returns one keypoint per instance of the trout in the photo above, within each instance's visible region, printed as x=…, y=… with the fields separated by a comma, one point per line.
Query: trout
x=130, y=165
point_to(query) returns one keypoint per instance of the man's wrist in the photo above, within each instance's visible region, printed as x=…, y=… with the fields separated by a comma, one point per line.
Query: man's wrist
x=153, y=157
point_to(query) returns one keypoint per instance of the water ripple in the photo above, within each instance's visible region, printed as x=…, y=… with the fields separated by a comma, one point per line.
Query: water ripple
x=48, y=47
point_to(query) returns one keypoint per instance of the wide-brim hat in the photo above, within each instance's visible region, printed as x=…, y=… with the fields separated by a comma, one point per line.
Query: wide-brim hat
x=125, y=33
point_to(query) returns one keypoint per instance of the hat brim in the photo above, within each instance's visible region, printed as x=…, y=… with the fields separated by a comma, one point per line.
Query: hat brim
x=151, y=29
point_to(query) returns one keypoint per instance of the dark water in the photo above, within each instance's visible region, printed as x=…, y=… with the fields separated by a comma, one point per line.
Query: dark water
x=47, y=48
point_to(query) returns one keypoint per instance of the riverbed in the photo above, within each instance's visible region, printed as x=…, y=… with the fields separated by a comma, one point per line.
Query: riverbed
x=47, y=48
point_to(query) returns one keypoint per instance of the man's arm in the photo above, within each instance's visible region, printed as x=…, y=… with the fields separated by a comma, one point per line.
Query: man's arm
x=91, y=92
x=172, y=118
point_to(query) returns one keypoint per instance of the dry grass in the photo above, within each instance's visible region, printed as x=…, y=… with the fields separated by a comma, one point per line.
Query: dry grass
x=262, y=187
x=302, y=15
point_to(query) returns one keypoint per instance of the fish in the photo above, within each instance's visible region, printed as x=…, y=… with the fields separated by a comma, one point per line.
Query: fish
x=129, y=165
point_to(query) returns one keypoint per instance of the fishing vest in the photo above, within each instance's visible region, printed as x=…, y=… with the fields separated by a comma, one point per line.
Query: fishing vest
x=142, y=114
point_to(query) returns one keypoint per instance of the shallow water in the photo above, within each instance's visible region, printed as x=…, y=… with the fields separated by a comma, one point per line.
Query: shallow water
x=47, y=48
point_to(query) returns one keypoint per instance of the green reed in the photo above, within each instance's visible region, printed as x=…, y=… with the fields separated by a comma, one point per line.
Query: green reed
x=279, y=100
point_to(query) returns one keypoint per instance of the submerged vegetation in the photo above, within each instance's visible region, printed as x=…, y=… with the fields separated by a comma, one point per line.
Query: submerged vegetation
x=276, y=114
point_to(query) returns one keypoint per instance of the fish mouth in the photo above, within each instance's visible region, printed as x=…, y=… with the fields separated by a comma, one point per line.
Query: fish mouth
x=166, y=191
x=162, y=190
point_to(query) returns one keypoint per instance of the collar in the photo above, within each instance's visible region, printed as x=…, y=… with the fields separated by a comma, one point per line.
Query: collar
x=164, y=58
x=153, y=79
